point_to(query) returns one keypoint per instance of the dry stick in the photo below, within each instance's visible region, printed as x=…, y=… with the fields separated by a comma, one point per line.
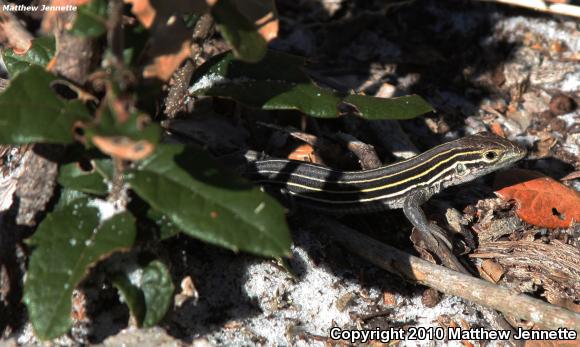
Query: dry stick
x=295, y=133
x=543, y=6
x=448, y=281
x=365, y=153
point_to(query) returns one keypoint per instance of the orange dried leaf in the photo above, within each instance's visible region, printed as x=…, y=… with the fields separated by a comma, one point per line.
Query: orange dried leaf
x=492, y=270
x=147, y=11
x=541, y=200
x=143, y=10
x=389, y=299
x=304, y=153
x=263, y=14
x=164, y=65
x=170, y=39
x=123, y=147
x=268, y=26
x=497, y=129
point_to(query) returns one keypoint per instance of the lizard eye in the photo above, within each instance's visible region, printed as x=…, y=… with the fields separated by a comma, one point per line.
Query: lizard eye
x=490, y=155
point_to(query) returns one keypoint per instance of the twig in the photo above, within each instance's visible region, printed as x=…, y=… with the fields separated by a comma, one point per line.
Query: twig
x=12, y=33
x=310, y=139
x=115, y=37
x=374, y=315
x=364, y=152
x=448, y=281
x=543, y=6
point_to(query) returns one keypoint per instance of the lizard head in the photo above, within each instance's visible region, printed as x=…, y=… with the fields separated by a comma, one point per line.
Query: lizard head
x=480, y=154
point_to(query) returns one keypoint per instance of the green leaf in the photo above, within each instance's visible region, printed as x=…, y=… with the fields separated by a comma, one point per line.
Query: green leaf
x=73, y=177
x=136, y=38
x=147, y=291
x=185, y=185
x=91, y=19
x=278, y=95
x=32, y=111
x=40, y=53
x=158, y=291
x=166, y=228
x=241, y=34
x=68, y=196
x=66, y=244
x=404, y=107
x=278, y=82
x=277, y=66
x=136, y=126
x=132, y=296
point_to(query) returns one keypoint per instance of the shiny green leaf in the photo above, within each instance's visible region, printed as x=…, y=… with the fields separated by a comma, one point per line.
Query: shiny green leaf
x=404, y=107
x=279, y=95
x=72, y=176
x=66, y=244
x=269, y=68
x=158, y=289
x=241, y=34
x=91, y=20
x=166, y=228
x=278, y=82
x=187, y=186
x=40, y=53
x=33, y=112
x=137, y=126
x=132, y=296
x=148, y=292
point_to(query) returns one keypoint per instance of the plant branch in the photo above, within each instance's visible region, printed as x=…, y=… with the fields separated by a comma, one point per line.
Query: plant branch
x=448, y=281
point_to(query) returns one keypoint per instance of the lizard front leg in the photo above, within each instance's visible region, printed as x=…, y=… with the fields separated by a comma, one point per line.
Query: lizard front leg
x=434, y=236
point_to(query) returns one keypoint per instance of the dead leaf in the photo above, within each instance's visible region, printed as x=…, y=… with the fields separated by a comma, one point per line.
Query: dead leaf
x=304, y=153
x=164, y=65
x=497, y=129
x=144, y=11
x=491, y=270
x=263, y=14
x=123, y=147
x=170, y=42
x=389, y=299
x=148, y=11
x=541, y=200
